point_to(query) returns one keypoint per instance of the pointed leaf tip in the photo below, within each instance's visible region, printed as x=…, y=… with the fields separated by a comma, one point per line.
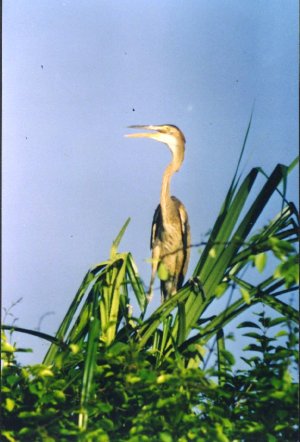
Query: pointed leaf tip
x=116, y=242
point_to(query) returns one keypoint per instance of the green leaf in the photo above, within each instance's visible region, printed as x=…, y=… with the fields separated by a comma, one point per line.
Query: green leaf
x=260, y=261
x=90, y=361
x=289, y=270
x=221, y=289
x=253, y=335
x=222, y=366
x=136, y=283
x=165, y=437
x=9, y=436
x=246, y=295
x=132, y=379
x=276, y=321
x=9, y=404
x=280, y=248
x=116, y=242
x=253, y=347
x=281, y=333
x=229, y=357
x=278, y=394
x=248, y=324
x=6, y=347
x=45, y=372
x=162, y=272
x=163, y=378
x=293, y=164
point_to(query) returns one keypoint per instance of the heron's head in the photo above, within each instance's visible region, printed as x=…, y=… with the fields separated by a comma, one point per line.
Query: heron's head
x=166, y=133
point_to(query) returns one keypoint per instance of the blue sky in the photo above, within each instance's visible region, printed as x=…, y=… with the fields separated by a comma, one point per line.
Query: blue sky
x=75, y=74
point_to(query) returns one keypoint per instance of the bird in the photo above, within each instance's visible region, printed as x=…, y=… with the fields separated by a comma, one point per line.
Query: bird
x=170, y=232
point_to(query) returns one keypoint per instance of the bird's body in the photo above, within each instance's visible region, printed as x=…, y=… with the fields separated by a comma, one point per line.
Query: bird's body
x=169, y=249
x=170, y=234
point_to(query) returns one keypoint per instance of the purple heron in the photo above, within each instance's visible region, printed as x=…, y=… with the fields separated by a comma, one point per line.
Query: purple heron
x=170, y=233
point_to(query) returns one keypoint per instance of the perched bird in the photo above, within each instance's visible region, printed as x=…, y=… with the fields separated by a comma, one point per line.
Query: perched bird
x=170, y=234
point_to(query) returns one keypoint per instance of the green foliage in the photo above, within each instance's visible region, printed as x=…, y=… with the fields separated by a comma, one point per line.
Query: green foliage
x=110, y=375
x=132, y=400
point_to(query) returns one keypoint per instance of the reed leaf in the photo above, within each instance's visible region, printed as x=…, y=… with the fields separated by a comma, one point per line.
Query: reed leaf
x=221, y=359
x=90, y=360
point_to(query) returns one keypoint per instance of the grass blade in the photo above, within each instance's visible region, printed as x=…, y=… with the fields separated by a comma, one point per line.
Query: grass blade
x=116, y=242
x=90, y=360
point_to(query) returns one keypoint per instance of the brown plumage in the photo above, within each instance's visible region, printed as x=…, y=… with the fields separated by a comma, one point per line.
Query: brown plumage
x=170, y=235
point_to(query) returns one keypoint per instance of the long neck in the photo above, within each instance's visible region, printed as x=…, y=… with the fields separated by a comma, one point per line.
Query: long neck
x=174, y=166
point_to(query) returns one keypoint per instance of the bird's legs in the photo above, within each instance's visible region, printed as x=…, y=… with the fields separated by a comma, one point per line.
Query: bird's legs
x=168, y=288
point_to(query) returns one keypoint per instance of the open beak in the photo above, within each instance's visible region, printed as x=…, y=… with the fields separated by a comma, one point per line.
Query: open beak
x=154, y=135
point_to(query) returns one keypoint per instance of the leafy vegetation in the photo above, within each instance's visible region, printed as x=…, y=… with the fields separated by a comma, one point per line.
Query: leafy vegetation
x=133, y=400
x=110, y=375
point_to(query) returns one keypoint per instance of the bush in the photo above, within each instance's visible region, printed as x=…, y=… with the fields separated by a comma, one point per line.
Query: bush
x=131, y=400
